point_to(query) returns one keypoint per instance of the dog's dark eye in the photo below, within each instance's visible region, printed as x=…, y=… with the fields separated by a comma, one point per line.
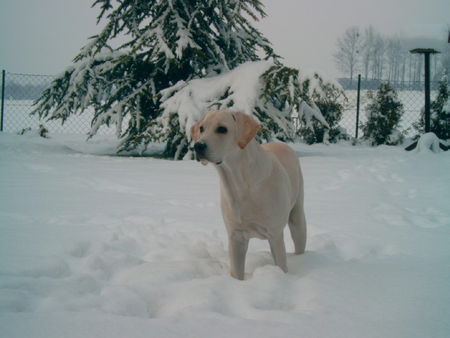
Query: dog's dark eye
x=202, y=129
x=221, y=130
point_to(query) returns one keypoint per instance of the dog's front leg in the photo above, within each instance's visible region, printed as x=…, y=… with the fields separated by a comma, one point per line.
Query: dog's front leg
x=237, y=245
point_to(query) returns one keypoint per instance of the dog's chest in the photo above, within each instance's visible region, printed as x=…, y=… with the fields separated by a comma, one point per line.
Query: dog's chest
x=248, y=217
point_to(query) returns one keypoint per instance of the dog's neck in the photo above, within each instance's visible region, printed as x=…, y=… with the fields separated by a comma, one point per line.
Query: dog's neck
x=244, y=169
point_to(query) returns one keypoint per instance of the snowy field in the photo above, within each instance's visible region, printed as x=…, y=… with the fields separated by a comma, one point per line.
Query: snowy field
x=94, y=245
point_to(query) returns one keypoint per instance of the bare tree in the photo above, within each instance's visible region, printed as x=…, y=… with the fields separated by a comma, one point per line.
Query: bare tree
x=388, y=57
x=417, y=68
x=394, y=58
x=347, y=55
x=444, y=57
x=367, y=48
x=404, y=60
x=378, y=57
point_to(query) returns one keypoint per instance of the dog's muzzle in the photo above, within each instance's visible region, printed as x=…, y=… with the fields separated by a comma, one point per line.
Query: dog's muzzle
x=200, y=151
x=200, y=148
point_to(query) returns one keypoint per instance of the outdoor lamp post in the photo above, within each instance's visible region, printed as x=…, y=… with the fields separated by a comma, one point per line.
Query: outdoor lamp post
x=426, y=52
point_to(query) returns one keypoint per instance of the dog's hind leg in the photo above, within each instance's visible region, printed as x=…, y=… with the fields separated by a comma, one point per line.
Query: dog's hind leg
x=278, y=251
x=297, y=226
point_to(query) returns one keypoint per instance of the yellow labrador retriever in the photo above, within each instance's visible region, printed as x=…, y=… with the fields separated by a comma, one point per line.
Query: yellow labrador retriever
x=261, y=185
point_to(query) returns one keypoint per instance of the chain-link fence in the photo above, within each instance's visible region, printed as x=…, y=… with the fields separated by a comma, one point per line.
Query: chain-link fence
x=410, y=93
x=19, y=94
x=21, y=90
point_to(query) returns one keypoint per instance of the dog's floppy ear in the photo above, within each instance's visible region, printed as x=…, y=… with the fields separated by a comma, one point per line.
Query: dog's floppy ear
x=247, y=127
x=195, y=131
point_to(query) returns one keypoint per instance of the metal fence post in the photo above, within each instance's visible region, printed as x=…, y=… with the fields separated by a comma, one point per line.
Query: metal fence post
x=427, y=93
x=357, y=105
x=2, y=109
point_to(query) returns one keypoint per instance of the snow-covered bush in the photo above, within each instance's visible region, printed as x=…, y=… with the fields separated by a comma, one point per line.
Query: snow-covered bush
x=428, y=142
x=177, y=60
x=439, y=113
x=384, y=112
x=329, y=99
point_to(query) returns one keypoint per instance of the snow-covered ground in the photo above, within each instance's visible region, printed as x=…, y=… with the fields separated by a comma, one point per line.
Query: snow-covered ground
x=93, y=245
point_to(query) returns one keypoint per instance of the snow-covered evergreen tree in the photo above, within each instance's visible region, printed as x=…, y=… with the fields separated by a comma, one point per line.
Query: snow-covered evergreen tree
x=148, y=51
x=329, y=98
x=383, y=117
x=440, y=113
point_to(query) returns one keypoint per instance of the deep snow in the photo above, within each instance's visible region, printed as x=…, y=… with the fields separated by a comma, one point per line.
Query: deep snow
x=93, y=245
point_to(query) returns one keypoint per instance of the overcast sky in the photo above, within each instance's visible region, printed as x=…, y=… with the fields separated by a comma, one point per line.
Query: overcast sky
x=43, y=36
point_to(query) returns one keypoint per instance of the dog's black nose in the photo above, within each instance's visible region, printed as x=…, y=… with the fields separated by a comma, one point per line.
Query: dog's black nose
x=200, y=147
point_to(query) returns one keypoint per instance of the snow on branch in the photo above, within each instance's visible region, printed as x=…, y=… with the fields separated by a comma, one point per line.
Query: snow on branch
x=308, y=112
x=238, y=89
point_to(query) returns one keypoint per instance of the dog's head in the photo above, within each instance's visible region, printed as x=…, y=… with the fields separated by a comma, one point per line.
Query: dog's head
x=221, y=133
